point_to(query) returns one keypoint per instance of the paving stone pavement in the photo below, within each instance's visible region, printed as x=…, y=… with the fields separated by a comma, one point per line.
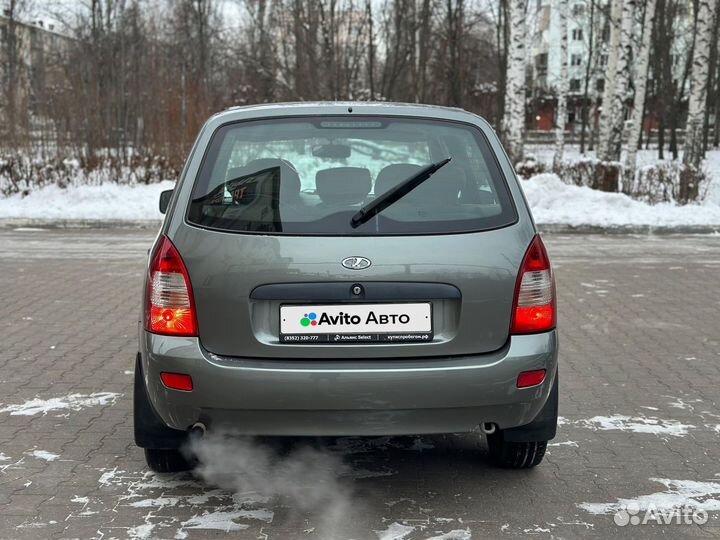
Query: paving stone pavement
x=640, y=386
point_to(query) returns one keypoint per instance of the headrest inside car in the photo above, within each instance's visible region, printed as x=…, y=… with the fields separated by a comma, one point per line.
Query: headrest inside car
x=442, y=187
x=392, y=175
x=343, y=185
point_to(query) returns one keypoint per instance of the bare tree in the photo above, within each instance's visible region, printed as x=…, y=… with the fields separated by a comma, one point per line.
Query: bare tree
x=711, y=106
x=606, y=112
x=693, y=152
x=661, y=61
x=611, y=144
x=502, y=46
x=514, y=120
x=641, y=80
x=137, y=78
x=454, y=26
x=370, y=48
x=563, y=86
x=588, y=72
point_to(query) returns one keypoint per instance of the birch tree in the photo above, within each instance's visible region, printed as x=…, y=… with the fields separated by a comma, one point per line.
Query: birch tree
x=611, y=145
x=514, y=121
x=589, y=71
x=502, y=45
x=711, y=106
x=610, y=79
x=641, y=80
x=693, y=153
x=563, y=86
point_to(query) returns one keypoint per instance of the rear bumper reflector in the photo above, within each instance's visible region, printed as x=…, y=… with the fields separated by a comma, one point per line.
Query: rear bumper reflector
x=530, y=378
x=177, y=381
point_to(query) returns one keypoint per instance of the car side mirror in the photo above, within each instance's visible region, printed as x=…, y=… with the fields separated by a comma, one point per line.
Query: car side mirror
x=165, y=197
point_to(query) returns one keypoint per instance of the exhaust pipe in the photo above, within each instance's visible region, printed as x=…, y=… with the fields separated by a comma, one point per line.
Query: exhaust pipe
x=198, y=430
x=488, y=428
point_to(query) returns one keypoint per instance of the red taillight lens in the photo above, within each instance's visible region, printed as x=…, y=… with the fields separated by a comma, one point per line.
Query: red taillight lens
x=534, y=307
x=170, y=308
x=530, y=378
x=177, y=381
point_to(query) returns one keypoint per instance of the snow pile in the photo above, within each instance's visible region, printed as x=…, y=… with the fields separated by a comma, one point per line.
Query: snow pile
x=107, y=201
x=554, y=202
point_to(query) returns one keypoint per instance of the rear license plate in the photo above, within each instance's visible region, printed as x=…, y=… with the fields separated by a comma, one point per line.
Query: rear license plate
x=356, y=323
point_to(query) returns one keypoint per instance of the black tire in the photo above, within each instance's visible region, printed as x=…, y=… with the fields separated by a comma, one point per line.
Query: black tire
x=515, y=455
x=166, y=461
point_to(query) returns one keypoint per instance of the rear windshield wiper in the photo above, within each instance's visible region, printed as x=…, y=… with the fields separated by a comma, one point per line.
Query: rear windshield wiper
x=376, y=206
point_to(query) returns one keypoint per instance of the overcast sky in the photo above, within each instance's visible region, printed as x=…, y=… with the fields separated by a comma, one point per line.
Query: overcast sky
x=57, y=11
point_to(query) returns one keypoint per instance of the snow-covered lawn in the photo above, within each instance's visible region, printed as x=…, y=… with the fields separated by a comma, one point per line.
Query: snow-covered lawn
x=112, y=202
x=552, y=201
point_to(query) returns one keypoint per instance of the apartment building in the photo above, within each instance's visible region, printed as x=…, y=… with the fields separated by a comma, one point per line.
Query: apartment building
x=588, y=51
x=39, y=47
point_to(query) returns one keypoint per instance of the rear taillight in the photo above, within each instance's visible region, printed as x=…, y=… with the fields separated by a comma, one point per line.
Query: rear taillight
x=170, y=308
x=534, y=307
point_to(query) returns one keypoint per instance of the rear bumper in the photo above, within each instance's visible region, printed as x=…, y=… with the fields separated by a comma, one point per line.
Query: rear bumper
x=348, y=397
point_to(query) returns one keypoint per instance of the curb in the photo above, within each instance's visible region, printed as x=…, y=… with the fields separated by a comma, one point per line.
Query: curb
x=548, y=228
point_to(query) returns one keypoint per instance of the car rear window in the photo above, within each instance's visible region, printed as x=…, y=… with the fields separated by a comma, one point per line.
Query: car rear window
x=309, y=176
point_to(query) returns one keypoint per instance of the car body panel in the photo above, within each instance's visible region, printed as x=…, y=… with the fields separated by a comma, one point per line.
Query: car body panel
x=225, y=267
x=341, y=397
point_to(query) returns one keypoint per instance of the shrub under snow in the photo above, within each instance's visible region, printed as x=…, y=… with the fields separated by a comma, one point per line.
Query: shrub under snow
x=22, y=174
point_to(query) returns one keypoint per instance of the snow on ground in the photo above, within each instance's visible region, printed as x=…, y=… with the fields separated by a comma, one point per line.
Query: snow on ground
x=638, y=424
x=703, y=496
x=551, y=200
x=71, y=402
x=44, y=454
x=554, y=202
x=102, y=202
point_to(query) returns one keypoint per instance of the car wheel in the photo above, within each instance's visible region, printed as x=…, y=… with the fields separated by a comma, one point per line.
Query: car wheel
x=166, y=461
x=515, y=455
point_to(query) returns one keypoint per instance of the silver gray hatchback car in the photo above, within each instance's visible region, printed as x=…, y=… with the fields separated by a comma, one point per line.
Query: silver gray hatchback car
x=330, y=269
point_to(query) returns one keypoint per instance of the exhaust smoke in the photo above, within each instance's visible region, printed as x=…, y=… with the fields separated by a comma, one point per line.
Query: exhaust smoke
x=298, y=476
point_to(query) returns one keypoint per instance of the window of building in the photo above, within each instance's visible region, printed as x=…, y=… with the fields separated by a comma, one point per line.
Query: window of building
x=577, y=34
x=603, y=59
x=576, y=60
x=578, y=10
x=606, y=32
x=541, y=63
x=600, y=85
x=574, y=85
